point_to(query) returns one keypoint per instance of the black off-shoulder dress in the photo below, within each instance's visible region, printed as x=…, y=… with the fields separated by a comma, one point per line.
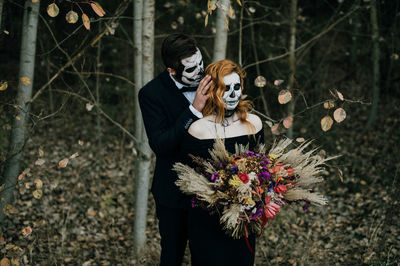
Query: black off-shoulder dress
x=209, y=244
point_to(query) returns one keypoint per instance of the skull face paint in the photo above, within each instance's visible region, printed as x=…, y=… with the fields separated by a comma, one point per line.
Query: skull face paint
x=191, y=70
x=233, y=91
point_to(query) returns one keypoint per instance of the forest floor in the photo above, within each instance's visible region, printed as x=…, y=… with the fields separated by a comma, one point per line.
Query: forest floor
x=85, y=213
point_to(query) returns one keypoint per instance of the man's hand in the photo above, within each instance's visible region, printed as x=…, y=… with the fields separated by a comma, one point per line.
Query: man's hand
x=201, y=94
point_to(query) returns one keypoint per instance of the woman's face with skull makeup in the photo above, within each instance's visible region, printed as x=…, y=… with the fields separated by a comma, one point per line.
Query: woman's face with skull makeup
x=233, y=91
x=191, y=70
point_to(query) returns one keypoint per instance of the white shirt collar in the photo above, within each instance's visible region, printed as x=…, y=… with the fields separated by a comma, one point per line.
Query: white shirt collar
x=179, y=85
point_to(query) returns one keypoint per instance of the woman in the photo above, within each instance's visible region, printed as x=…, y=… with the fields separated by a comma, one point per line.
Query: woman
x=226, y=116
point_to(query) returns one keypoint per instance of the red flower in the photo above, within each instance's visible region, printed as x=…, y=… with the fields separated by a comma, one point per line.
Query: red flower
x=280, y=189
x=244, y=178
x=267, y=199
x=290, y=171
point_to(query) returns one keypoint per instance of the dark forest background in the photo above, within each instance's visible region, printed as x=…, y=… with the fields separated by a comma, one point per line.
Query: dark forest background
x=86, y=213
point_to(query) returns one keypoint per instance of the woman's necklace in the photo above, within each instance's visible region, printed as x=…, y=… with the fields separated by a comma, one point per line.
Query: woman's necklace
x=229, y=119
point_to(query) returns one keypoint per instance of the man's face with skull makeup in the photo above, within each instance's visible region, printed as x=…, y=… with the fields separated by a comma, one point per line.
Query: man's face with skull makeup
x=191, y=70
x=233, y=91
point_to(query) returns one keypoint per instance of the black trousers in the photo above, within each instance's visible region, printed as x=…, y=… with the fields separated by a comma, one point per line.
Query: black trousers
x=211, y=246
x=173, y=227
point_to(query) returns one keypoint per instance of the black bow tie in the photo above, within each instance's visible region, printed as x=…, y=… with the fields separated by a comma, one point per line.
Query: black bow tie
x=185, y=89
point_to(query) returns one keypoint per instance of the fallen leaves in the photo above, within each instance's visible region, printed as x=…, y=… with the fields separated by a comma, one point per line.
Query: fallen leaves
x=63, y=163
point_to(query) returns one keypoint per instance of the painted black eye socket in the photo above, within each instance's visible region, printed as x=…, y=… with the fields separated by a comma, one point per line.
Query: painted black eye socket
x=237, y=87
x=228, y=87
x=190, y=70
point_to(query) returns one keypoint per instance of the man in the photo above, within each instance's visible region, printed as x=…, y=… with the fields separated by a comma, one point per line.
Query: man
x=170, y=103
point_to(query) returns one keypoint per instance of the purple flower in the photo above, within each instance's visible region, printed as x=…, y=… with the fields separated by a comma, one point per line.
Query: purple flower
x=192, y=201
x=235, y=169
x=249, y=153
x=214, y=177
x=264, y=175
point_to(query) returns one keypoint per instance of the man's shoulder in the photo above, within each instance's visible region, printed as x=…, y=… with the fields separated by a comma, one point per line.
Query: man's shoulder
x=154, y=86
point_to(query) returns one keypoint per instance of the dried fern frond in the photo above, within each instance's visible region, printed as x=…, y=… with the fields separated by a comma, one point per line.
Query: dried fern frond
x=303, y=194
x=279, y=147
x=193, y=183
x=218, y=153
x=230, y=216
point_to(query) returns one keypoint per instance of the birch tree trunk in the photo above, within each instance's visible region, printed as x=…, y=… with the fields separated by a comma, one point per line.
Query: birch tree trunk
x=221, y=35
x=143, y=161
x=292, y=60
x=375, y=64
x=18, y=133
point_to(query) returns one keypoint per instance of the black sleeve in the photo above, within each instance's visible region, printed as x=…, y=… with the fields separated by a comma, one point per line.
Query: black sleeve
x=164, y=139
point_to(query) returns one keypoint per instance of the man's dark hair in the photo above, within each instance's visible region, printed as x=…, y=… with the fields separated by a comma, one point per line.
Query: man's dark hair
x=175, y=48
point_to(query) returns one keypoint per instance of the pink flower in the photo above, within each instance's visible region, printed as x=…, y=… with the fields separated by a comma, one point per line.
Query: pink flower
x=280, y=189
x=271, y=209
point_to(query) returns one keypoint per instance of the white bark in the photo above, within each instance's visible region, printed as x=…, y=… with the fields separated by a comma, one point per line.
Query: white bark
x=292, y=59
x=18, y=133
x=137, y=60
x=143, y=161
x=221, y=36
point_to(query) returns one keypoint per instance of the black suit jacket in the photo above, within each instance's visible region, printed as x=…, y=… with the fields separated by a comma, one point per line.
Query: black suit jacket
x=166, y=117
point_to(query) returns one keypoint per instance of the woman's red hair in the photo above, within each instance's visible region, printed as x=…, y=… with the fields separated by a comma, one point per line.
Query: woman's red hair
x=215, y=104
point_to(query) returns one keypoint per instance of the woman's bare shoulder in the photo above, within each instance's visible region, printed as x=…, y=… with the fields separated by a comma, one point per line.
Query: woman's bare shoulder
x=196, y=129
x=255, y=120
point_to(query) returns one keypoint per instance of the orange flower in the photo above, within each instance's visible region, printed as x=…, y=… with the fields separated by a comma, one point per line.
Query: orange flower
x=280, y=189
x=290, y=171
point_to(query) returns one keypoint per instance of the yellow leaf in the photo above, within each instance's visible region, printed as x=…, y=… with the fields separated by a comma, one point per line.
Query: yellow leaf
x=97, y=9
x=18, y=118
x=38, y=183
x=86, y=21
x=206, y=21
x=287, y=122
x=4, y=262
x=15, y=262
x=27, y=231
x=2, y=187
x=329, y=104
x=63, y=163
x=239, y=2
x=260, y=81
x=340, y=173
x=284, y=96
x=9, y=209
x=339, y=115
x=227, y=23
x=231, y=12
x=278, y=82
x=275, y=129
x=3, y=86
x=38, y=193
x=300, y=139
x=35, y=1
x=71, y=17
x=73, y=156
x=6, y=32
x=340, y=95
x=40, y=162
x=53, y=10
x=326, y=123
x=26, y=81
